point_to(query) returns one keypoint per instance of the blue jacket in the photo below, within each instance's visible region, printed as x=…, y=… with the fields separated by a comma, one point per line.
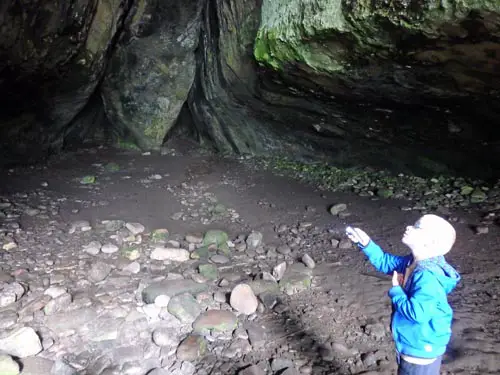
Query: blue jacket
x=421, y=318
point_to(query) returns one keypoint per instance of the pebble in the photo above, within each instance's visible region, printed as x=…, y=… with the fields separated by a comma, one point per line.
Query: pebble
x=8, y=319
x=279, y=271
x=217, y=320
x=109, y=248
x=165, y=337
x=219, y=259
x=194, y=238
x=184, y=307
x=133, y=268
x=308, y=261
x=135, y=228
x=99, y=271
x=55, y=291
x=93, y=248
x=171, y=254
x=57, y=304
x=338, y=208
x=243, y=299
x=191, y=348
x=254, y=240
x=284, y=249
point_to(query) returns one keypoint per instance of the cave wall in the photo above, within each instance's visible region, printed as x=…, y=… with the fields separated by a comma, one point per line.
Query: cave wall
x=403, y=85
x=52, y=56
x=152, y=70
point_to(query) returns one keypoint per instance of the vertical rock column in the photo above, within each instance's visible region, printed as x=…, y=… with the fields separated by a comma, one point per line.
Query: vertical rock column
x=152, y=70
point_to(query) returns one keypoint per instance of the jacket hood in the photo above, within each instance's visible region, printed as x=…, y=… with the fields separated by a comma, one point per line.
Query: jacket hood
x=447, y=276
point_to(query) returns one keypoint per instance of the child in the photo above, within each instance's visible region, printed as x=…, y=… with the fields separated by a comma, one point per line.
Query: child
x=421, y=317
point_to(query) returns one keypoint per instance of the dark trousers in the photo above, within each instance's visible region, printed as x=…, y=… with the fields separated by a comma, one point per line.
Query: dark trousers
x=407, y=368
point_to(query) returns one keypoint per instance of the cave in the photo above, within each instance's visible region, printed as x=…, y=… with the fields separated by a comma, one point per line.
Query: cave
x=178, y=176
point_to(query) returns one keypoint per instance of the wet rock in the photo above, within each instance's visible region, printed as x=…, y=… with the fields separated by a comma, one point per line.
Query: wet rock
x=297, y=278
x=217, y=238
x=165, y=337
x=184, y=307
x=93, y=248
x=57, y=304
x=308, y=261
x=337, y=208
x=171, y=254
x=81, y=225
x=219, y=259
x=160, y=236
x=482, y=229
x=254, y=240
x=209, y=271
x=171, y=288
x=23, y=342
x=217, y=320
x=8, y=366
x=135, y=228
x=279, y=271
x=55, y=291
x=243, y=299
x=99, y=271
x=7, y=319
x=109, y=248
x=192, y=348
x=11, y=293
x=133, y=268
x=196, y=238
x=260, y=286
x=284, y=249
x=113, y=225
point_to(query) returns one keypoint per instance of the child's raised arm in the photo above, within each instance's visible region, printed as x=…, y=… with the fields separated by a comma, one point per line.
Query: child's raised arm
x=383, y=262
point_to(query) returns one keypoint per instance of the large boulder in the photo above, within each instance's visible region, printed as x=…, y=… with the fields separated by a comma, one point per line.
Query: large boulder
x=152, y=70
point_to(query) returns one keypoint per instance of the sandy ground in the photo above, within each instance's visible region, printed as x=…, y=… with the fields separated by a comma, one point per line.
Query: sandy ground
x=340, y=324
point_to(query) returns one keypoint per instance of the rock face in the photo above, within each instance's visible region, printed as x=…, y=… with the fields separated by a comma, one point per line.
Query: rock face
x=53, y=55
x=401, y=85
x=152, y=70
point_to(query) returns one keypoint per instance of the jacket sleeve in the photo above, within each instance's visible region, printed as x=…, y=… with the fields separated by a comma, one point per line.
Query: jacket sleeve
x=384, y=262
x=420, y=303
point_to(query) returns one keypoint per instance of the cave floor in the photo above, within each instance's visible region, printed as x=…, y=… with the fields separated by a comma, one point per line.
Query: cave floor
x=338, y=324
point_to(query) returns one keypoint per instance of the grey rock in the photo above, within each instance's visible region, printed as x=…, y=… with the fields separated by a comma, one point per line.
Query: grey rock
x=165, y=337
x=99, y=271
x=8, y=366
x=243, y=299
x=135, y=228
x=308, y=261
x=22, y=342
x=254, y=240
x=7, y=319
x=184, y=307
x=171, y=288
x=58, y=304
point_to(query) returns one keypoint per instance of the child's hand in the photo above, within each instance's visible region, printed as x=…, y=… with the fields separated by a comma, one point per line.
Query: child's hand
x=396, y=279
x=357, y=236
